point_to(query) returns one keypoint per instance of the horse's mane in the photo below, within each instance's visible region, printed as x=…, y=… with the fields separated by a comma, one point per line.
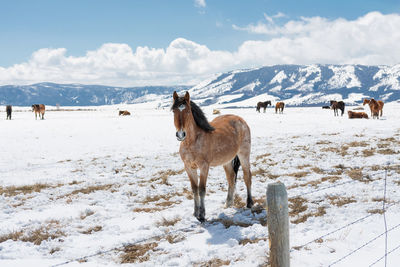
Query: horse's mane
x=200, y=118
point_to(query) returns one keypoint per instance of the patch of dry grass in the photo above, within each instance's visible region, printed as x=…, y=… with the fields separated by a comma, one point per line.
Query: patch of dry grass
x=246, y=241
x=387, y=151
x=90, y=230
x=368, y=152
x=168, y=222
x=299, y=175
x=323, y=142
x=341, y=201
x=357, y=144
x=303, y=166
x=213, y=263
x=228, y=222
x=331, y=179
x=321, y=211
x=356, y=174
x=339, y=150
x=147, y=209
x=375, y=211
x=296, y=206
x=172, y=239
x=36, y=236
x=90, y=189
x=317, y=170
x=11, y=191
x=162, y=176
x=137, y=253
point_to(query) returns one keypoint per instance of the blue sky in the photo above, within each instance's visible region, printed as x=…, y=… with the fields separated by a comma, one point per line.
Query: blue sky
x=52, y=33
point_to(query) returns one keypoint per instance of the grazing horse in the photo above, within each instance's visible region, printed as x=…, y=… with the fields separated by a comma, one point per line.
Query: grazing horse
x=225, y=141
x=380, y=103
x=279, y=107
x=8, y=110
x=375, y=107
x=335, y=105
x=263, y=105
x=39, y=109
x=124, y=113
x=357, y=115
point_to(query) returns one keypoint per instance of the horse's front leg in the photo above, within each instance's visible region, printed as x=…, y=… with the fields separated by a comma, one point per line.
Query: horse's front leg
x=192, y=173
x=202, y=190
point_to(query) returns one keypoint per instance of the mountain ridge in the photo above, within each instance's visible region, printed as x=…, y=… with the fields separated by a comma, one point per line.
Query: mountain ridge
x=296, y=85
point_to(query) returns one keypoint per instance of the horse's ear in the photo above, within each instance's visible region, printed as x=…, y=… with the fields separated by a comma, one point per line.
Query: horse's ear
x=187, y=97
x=175, y=95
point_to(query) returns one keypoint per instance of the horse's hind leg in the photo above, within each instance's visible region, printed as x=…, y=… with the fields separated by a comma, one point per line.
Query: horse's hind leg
x=231, y=177
x=244, y=157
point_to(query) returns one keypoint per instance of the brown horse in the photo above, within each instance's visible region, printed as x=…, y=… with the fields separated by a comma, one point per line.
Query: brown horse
x=375, y=107
x=8, y=111
x=335, y=105
x=39, y=109
x=357, y=115
x=124, y=113
x=380, y=104
x=263, y=105
x=225, y=141
x=279, y=107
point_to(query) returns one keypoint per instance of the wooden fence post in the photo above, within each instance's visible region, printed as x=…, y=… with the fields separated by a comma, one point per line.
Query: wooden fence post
x=278, y=225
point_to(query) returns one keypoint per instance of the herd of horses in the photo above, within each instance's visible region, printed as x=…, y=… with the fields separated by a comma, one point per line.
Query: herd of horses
x=376, y=107
x=37, y=108
x=279, y=106
x=40, y=109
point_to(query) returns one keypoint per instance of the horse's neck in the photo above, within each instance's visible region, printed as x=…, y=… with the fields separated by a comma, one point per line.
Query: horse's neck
x=192, y=131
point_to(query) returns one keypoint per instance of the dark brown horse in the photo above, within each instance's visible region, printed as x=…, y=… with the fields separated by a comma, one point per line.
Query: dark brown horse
x=357, y=115
x=225, y=141
x=39, y=109
x=380, y=105
x=124, y=113
x=9, y=111
x=335, y=105
x=263, y=105
x=279, y=107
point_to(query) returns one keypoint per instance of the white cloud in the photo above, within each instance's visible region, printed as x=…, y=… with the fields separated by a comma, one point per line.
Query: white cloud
x=200, y=3
x=373, y=39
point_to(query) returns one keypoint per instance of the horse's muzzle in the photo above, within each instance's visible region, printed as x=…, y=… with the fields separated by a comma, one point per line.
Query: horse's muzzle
x=180, y=135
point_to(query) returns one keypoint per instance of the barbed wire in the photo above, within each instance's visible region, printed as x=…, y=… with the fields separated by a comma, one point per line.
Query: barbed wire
x=365, y=244
x=343, y=227
x=102, y=252
x=384, y=256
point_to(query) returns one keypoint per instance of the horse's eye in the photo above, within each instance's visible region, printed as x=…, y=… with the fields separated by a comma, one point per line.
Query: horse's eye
x=181, y=107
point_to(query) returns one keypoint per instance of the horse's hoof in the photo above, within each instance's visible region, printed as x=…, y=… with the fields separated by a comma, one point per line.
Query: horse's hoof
x=201, y=219
x=250, y=204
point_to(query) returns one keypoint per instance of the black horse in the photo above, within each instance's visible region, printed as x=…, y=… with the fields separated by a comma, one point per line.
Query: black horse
x=335, y=105
x=263, y=105
x=8, y=110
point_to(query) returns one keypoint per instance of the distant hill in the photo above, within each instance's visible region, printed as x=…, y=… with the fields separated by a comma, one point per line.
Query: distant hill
x=296, y=85
x=81, y=95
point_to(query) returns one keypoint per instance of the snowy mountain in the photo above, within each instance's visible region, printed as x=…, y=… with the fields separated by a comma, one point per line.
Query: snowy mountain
x=296, y=85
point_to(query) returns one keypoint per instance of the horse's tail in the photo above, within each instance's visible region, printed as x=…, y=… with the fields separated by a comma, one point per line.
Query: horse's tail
x=236, y=165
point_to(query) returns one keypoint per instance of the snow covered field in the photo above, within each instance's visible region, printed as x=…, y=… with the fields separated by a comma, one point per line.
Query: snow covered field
x=81, y=183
